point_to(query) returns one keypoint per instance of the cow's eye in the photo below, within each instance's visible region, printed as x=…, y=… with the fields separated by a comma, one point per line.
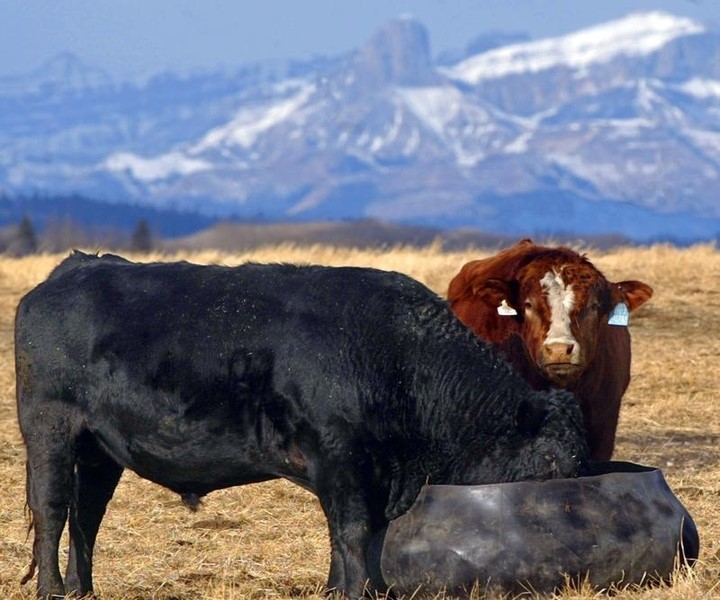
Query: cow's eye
x=528, y=305
x=590, y=311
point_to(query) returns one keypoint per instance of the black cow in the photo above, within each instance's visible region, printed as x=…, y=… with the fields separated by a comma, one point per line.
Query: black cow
x=357, y=384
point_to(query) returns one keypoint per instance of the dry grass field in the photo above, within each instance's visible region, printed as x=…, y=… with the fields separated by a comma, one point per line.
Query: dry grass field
x=270, y=540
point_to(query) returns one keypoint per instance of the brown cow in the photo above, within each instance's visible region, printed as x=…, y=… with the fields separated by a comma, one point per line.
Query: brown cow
x=560, y=322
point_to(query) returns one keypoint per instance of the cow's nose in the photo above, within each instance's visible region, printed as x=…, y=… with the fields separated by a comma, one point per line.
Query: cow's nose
x=558, y=352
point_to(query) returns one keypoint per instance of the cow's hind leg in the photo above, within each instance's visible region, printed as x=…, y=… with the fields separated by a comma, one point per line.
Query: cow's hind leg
x=96, y=476
x=50, y=464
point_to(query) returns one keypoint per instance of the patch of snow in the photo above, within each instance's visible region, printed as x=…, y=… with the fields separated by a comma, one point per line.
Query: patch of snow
x=520, y=144
x=380, y=142
x=654, y=107
x=704, y=89
x=646, y=98
x=249, y=122
x=160, y=167
x=467, y=159
x=637, y=34
x=642, y=169
x=708, y=141
x=434, y=106
x=619, y=129
x=412, y=143
x=594, y=171
x=468, y=130
x=363, y=140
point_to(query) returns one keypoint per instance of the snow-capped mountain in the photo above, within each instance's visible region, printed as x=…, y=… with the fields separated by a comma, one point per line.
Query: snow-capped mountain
x=615, y=128
x=636, y=36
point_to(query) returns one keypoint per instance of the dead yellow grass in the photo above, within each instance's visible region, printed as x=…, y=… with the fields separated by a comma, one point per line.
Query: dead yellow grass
x=270, y=540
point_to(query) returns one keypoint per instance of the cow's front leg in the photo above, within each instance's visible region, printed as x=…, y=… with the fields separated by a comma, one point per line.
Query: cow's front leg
x=350, y=528
x=349, y=573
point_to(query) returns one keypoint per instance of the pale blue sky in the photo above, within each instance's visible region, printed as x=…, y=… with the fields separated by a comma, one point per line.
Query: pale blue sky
x=134, y=38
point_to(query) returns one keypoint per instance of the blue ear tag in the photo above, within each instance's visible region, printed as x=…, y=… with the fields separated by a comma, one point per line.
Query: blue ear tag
x=620, y=315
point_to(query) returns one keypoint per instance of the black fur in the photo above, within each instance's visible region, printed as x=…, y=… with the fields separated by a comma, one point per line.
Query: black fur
x=357, y=384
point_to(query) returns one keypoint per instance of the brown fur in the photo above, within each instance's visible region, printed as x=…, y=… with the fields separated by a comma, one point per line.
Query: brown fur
x=513, y=275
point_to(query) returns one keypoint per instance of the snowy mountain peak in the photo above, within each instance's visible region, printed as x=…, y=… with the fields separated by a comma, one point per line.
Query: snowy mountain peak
x=637, y=34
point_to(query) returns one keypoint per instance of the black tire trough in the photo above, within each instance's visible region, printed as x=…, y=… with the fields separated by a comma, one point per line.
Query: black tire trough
x=617, y=524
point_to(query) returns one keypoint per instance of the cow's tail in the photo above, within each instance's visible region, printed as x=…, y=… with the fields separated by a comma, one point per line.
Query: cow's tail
x=33, y=563
x=30, y=572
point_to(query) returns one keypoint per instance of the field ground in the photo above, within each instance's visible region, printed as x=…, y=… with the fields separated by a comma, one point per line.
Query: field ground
x=270, y=541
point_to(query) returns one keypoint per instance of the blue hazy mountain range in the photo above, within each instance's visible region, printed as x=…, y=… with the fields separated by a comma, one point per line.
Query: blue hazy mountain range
x=611, y=129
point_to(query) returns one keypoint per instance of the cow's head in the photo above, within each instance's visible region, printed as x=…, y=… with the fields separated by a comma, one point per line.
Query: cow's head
x=553, y=298
x=545, y=441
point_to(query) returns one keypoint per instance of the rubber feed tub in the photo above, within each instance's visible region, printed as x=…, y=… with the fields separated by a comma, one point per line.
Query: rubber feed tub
x=617, y=524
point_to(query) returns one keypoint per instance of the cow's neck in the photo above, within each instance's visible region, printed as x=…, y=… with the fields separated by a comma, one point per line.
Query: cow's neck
x=516, y=353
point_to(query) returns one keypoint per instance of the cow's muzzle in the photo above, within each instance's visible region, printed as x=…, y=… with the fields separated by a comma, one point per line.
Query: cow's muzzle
x=554, y=467
x=562, y=374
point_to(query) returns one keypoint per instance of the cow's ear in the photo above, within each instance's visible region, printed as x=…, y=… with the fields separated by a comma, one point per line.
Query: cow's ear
x=632, y=293
x=530, y=416
x=496, y=292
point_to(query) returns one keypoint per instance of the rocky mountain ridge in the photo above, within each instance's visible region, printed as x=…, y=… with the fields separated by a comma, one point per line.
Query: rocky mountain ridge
x=612, y=129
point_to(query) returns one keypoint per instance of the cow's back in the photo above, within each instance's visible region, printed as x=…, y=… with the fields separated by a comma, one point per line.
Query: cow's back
x=176, y=357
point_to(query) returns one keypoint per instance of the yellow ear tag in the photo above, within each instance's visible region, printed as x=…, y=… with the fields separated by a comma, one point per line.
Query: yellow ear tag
x=505, y=310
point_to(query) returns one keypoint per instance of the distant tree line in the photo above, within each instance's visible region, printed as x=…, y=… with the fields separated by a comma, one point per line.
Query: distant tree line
x=60, y=235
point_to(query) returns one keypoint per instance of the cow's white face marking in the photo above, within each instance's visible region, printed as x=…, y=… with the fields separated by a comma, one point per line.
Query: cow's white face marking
x=561, y=300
